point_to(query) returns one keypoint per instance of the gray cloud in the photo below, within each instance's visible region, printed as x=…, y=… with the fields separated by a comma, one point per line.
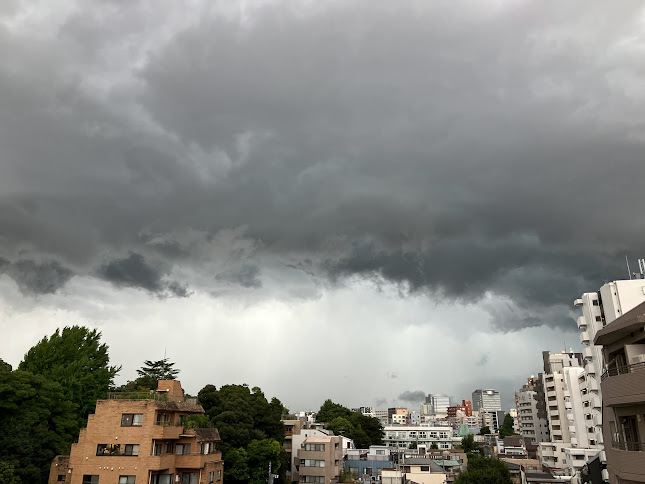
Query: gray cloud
x=412, y=396
x=245, y=276
x=134, y=271
x=32, y=277
x=453, y=148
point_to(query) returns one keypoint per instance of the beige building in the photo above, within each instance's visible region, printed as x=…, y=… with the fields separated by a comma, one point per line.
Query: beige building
x=320, y=459
x=141, y=439
x=623, y=392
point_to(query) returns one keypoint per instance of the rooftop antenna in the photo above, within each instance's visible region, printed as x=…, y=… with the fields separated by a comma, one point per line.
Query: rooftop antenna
x=628, y=271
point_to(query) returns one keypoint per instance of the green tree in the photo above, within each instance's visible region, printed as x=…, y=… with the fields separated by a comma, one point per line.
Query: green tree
x=485, y=430
x=37, y=422
x=75, y=358
x=469, y=445
x=507, y=427
x=260, y=453
x=7, y=473
x=484, y=470
x=242, y=416
x=236, y=466
x=4, y=366
x=153, y=371
x=434, y=445
x=364, y=430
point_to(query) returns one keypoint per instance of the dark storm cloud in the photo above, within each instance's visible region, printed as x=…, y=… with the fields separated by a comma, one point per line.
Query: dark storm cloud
x=36, y=277
x=459, y=148
x=412, y=396
x=134, y=271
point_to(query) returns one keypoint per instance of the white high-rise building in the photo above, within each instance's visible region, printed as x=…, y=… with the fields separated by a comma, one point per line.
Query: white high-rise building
x=598, y=310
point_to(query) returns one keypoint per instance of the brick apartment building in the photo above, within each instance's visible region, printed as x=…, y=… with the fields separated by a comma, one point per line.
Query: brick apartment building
x=141, y=439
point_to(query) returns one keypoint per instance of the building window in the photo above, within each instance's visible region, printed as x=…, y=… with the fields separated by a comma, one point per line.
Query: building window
x=161, y=479
x=380, y=452
x=312, y=463
x=131, y=420
x=314, y=479
x=205, y=448
x=169, y=447
x=315, y=447
x=61, y=477
x=156, y=449
x=189, y=478
x=425, y=468
x=131, y=449
x=182, y=449
x=88, y=479
x=108, y=449
x=163, y=419
x=211, y=477
x=219, y=475
x=126, y=479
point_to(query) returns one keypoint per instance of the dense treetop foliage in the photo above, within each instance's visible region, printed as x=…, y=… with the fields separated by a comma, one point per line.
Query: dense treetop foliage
x=75, y=358
x=149, y=375
x=363, y=430
x=38, y=422
x=251, y=430
x=507, y=427
x=484, y=470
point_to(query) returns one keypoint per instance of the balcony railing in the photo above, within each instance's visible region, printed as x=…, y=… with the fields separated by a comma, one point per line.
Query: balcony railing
x=623, y=370
x=629, y=446
x=137, y=396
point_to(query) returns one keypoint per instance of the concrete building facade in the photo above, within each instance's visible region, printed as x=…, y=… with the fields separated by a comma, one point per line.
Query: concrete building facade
x=320, y=460
x=623, y=390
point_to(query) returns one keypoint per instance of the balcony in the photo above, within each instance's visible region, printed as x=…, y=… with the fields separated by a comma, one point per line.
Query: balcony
x=582, y=322
x=192, y=461
x=166, y=432
x=624, y=385
x=587, y=354
x=584, y=337
x=627, y=457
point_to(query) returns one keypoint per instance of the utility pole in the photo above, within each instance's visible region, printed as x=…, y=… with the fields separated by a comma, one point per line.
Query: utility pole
x=271, y=476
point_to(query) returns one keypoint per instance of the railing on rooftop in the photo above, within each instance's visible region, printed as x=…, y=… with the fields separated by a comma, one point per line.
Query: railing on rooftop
x=629, y=446
x=623, y=370
x=137, y=396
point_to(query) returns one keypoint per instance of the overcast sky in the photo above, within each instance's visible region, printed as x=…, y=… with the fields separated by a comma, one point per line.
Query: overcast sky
x=363, y=200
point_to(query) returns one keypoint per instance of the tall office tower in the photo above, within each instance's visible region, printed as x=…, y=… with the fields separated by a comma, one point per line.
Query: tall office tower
x=531, y=409
x=436, y=404
x=486, y=400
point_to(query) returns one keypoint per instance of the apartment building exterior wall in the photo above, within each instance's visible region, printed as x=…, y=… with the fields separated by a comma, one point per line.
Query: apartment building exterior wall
x=143, y=441
x=401, y=437
x=320, y=459
x=623, y=390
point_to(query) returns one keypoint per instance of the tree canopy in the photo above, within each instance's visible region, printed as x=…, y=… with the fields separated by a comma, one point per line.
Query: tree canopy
x=485, y=430
x=484, y=470
x=251, y=430
x=150, y=374
x=363, y=430
x=75, y=358
x=507, y=427
x=37, y=422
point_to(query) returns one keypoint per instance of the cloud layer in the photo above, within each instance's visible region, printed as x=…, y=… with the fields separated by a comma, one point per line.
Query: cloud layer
x=456, y=149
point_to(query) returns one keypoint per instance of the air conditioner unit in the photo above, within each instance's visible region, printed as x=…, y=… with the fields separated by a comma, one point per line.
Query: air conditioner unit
x=637, y=359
